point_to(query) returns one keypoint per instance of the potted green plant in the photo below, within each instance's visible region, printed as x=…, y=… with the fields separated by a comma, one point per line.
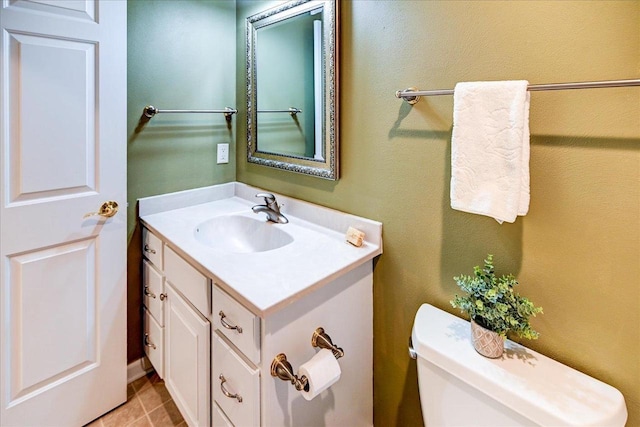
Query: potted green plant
x=494, y=308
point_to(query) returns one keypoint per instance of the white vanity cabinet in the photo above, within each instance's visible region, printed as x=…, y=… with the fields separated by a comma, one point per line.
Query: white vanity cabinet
x=228, y=314
x=177, y=332
x=218, y=353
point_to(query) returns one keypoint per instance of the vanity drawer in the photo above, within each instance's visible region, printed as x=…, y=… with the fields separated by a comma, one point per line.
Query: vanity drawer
x=218, y=418
x=188, y=281
x=153, y=291
x=232, y=375
x=237, y=323
x=152, y=248
x=154, y=343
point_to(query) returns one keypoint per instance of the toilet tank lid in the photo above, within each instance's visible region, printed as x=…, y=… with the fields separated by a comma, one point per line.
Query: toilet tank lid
x=537, y=387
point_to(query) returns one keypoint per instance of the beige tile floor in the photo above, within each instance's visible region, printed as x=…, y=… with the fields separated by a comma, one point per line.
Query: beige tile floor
x=148, y=405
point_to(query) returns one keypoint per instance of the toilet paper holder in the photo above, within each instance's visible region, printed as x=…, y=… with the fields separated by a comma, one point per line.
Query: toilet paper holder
x=321, y=339
x=281, y=368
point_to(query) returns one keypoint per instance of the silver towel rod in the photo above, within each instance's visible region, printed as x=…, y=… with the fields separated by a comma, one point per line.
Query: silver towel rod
x=412, y=95
x=291, y=110
x=150, y=111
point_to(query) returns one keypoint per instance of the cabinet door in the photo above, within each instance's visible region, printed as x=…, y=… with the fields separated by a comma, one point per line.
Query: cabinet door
x=187, y=359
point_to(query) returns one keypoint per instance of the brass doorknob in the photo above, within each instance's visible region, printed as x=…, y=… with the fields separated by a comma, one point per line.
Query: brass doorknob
x=107, y=210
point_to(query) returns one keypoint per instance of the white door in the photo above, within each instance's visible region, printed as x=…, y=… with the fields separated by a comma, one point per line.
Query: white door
x=62, y=154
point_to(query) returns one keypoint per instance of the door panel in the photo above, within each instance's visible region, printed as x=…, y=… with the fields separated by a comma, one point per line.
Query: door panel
x=39, y=285
x=63, y=8
x=33, y=117
x=62, y=154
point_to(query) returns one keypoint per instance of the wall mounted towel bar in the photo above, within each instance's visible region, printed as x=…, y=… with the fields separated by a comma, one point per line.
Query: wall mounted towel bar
x=412, y=95
x=150, y=111
x=291, y=110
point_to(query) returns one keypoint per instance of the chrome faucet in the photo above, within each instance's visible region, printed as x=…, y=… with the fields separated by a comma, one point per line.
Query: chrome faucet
x=271, y=208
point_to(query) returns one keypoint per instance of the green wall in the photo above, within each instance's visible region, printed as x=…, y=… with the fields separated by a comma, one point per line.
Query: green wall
x=181, y=55
x=577, y=251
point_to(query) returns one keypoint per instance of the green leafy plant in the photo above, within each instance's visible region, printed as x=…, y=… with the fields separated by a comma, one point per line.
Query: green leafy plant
x=493, y=304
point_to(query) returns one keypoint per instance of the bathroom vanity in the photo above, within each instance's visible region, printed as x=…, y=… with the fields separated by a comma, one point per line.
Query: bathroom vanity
x=226, y=292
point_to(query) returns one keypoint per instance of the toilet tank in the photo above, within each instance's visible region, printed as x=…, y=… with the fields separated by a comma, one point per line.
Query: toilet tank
x=460, y=387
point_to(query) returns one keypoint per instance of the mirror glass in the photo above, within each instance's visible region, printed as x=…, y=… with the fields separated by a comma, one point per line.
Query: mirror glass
x=292, y=88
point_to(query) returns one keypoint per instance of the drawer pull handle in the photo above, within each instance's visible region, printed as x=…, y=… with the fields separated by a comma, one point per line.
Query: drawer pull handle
x=147, y=293
x=225, y=392
x=163, y=296
x=149, y=250
x=228, y=325
x=148, y=343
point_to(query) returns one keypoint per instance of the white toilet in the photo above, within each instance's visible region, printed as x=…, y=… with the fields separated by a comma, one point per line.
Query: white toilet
x=459, y=387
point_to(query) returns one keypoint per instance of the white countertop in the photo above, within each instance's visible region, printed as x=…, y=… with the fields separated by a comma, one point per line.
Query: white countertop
x=262, y=281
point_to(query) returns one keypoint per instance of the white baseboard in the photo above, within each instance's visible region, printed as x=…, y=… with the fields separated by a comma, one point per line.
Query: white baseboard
x=138, y=369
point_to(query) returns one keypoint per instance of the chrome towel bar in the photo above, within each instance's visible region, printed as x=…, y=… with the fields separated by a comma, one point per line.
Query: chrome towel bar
x=150, y=111
x=291, y=110
x=412, y=95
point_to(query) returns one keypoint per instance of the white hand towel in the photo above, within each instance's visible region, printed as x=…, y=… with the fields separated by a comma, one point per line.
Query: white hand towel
x=490, y=149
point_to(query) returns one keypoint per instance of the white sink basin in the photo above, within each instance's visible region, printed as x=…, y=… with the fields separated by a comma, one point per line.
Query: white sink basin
x=265, y=266
x=241, y=234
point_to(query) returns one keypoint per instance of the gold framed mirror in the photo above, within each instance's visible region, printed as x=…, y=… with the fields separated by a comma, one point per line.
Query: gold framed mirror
x=292, y=87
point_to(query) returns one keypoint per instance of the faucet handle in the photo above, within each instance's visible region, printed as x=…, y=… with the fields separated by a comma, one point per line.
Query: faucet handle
x=268, y=197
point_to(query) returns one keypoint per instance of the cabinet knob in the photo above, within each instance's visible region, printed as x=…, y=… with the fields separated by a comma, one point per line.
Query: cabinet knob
x=226, y=393
x=148, y=249
x=163, y=296
x=227, y=324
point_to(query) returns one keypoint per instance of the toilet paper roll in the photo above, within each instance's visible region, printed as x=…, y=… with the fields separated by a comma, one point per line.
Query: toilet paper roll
x=322, y=371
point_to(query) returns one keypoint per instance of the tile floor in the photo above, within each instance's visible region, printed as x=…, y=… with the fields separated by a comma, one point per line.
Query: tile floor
x=148, y=405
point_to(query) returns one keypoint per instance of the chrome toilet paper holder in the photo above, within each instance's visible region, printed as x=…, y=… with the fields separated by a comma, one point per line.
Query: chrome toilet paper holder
x=281, y=368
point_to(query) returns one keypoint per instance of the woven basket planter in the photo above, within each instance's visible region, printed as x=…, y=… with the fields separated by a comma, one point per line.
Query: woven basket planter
x=486, y=342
